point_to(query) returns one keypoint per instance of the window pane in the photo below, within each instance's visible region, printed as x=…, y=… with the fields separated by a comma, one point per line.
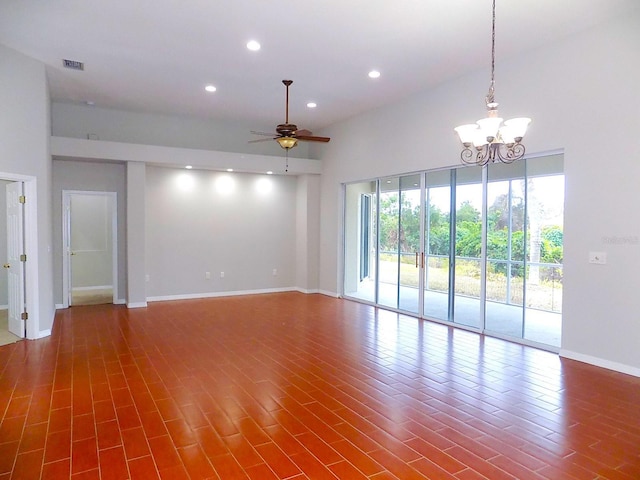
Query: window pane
x=545, y=212
x=437, y=244
x=409, y=238
x=468, y=243
x=389, y=242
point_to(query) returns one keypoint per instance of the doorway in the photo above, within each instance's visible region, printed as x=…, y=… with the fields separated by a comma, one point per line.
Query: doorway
x=90, y=247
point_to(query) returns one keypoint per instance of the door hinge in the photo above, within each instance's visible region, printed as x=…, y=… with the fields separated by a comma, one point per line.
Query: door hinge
x=23, y=257
x=22, y=199
x=24, y=316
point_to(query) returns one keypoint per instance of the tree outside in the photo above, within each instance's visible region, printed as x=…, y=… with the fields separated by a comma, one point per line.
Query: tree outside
x=507, y=243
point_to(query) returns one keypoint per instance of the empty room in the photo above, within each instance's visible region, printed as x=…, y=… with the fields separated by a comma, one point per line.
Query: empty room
x=266, y=240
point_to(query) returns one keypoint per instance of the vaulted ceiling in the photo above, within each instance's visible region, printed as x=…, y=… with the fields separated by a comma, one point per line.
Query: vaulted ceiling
x=158, y=55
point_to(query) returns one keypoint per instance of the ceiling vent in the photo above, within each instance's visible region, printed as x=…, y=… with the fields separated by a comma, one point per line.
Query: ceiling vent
x=72, y=64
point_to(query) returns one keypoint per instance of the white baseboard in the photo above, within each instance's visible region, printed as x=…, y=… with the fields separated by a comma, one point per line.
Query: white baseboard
x=59, y=306
x=120, y=301
x=4, y=307
x=307, y=292
x=86, y=289
x=234, y=293
x=44, y=333
x=600, y=362
x=137, y=305
x=329, y=294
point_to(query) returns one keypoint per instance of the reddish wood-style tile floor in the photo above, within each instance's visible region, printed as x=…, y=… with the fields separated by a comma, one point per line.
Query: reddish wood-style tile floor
x=293, y=386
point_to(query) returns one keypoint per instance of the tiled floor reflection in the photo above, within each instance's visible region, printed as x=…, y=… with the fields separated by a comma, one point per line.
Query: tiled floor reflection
x=293, y=386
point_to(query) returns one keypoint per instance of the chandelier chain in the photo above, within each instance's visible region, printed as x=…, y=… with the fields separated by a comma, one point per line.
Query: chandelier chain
x=490, y=96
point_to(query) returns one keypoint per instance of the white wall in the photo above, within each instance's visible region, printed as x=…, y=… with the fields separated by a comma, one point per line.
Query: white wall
x=582, y=96
x=136, y=234
x=79, y=121
x=201, y=221
x=24, y=152
x=308, y=233
x=88, y=176
x=139, y=157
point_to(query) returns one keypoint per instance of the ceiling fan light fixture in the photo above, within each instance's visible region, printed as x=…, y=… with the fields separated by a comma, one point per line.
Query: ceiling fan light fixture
x=287, y=134
x=287, y=142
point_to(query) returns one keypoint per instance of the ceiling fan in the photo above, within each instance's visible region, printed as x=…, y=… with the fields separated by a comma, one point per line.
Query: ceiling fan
x=287, y=134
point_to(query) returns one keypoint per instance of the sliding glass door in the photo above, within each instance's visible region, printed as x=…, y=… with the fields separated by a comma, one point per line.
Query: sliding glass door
x=437, y=245
x=506, y=249
x=467, y=244
x=478, y=248
x=400, y=252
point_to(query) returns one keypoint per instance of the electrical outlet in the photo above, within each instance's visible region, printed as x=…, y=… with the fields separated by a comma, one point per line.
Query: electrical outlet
x=221, y=274
x=147, y=278
x=207, y=275
x=275, y=272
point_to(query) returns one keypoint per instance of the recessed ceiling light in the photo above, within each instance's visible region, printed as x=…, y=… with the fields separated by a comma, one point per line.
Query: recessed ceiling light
x=374, y=74
x=91, y=103
x=312, y=105
x=253, y=45
x=269, y=172
x=188, y=167
x=229, y=169
x=210, y=88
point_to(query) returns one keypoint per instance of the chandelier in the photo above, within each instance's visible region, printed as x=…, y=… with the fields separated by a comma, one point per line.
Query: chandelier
x=489, y=140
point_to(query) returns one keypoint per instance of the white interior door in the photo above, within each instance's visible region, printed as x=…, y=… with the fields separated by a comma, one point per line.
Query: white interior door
x=14, y=265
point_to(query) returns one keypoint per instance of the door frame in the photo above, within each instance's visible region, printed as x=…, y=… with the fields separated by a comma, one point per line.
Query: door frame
x=66, y=241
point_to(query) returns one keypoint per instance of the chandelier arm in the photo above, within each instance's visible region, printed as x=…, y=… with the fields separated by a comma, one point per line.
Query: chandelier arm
x=466, y=155
x=509, y=154
x=484, y=155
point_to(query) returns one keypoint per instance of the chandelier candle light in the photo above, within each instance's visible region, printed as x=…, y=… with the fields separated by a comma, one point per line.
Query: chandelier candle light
x=492, y=140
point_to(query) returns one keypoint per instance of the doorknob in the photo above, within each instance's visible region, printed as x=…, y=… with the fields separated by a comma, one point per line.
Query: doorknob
x=6, y=265
x=73, y=253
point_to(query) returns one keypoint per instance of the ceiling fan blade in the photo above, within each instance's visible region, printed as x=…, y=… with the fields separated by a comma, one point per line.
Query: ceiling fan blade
x=262, y=140
x=310, y=138
x=264, y=133
x=304, y=132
